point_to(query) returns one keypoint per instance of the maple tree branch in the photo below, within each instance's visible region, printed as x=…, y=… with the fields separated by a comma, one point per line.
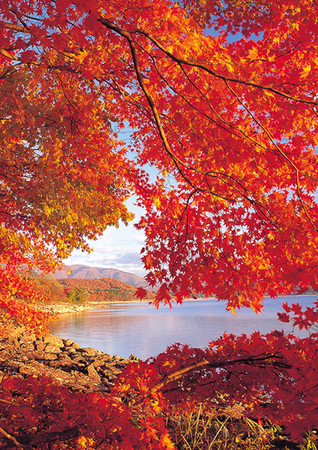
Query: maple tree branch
x=191, y=104
x=272, y=140
x=160, y=128
x=152, y=105
x=148, y=96
x=237, y=130
x=8, y=55
x=215, y=74
x=11, y=438
x=252, y=360
x=19, y=17
x=303, y=204
x=49, y=436
x=158, y=122
x=256, y=204
x=234, y=129
x=185, y=211
x=126, y=96
x=7, y=72
x=12, y=26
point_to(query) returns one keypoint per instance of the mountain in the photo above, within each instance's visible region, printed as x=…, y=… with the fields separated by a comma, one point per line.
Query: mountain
x=86, y=272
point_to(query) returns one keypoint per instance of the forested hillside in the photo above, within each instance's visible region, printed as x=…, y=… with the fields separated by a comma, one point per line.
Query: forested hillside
x=101, y=290
x=77, y=290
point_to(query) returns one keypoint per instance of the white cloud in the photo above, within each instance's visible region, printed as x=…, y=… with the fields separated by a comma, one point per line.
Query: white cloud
x=118, y=248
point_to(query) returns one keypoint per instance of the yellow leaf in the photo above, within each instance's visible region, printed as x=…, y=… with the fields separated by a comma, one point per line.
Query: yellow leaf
x=268, y=93
x=306, y=70
x=81, y=56
x=253, y=53
x=229, y=66
x=166, y=442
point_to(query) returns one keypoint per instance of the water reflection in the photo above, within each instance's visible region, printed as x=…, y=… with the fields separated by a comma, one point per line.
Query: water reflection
x=140, y=329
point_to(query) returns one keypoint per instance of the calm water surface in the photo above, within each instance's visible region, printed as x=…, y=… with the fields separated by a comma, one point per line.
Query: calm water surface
x=126, y=328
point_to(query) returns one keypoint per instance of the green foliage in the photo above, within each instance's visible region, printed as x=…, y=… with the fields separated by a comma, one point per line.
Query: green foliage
x=78, y=295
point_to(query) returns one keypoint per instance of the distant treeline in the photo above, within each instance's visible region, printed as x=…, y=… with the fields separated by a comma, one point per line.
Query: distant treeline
x=78, y=290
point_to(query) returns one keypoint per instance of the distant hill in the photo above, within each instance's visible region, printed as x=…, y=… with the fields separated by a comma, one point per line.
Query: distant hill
x=86, y=272
x=103, y=289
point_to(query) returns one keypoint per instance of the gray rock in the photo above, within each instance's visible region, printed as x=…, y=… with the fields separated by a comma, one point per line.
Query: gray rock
x=97, y=363
x=71, y=351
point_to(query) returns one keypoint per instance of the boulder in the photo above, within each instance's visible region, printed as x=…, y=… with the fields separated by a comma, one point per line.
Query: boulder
x=51, y=348
x=88, y=351
x=53, y=340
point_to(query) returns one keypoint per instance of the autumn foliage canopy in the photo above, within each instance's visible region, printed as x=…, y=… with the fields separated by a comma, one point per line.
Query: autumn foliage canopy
x=220, y=100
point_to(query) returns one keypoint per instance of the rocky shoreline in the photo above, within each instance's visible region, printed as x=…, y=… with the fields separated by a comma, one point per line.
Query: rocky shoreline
x=63, y=360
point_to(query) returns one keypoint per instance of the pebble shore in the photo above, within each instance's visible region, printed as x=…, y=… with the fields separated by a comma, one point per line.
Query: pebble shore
x=67, y=308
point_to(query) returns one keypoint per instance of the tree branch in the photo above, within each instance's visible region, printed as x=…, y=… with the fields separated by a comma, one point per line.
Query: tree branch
x=222, y=77
x=12, y=438
x=252, y=360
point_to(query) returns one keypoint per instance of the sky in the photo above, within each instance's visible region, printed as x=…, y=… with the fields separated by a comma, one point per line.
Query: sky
x=118, y=248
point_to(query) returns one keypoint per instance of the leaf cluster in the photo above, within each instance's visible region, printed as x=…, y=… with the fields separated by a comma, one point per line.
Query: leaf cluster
x=231, y=392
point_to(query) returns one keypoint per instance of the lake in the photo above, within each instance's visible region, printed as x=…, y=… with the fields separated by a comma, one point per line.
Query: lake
x=137, y=328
